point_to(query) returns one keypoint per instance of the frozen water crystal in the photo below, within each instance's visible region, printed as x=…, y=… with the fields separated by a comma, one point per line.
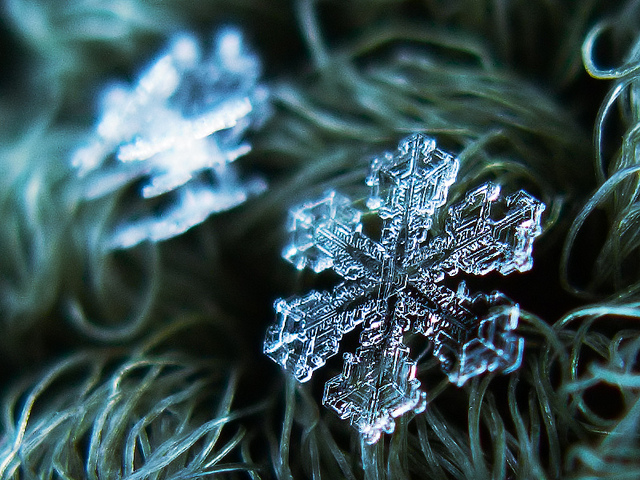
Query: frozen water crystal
x=174, y=134
x=395, y=285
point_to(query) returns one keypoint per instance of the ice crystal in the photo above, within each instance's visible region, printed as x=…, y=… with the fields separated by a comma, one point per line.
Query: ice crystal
x=175, y=133
x=395, y=285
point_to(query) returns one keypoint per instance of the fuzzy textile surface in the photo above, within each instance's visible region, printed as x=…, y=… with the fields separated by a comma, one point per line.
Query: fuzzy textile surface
x=146, y=363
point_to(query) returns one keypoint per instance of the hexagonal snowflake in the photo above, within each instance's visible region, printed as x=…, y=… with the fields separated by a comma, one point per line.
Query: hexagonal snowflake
x=395, y=285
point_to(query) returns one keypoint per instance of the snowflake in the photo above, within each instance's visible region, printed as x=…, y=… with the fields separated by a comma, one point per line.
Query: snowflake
x=395, y=285
x=175, y=132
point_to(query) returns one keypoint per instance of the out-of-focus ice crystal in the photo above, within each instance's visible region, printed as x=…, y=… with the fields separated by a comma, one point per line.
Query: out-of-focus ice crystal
x=394, y=285
x=174, y=133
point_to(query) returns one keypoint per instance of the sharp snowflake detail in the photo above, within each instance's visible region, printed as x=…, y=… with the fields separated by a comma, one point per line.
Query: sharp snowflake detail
x=175, y=133
x=395, y=285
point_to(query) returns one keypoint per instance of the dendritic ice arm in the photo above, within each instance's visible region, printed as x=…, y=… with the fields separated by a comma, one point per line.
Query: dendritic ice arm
x=308, y=329
x=484, y=233
x=494, y=346
x=175, y=133
x=471, y=335
x=395, y=285
x=408, y=188
x=327, y=233
x=487, y=232
x=378, y=384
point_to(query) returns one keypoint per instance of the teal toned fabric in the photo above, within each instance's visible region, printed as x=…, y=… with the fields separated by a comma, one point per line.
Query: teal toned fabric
x=146, y=363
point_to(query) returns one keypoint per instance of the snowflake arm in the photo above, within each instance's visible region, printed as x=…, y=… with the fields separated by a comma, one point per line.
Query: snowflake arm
x=308, y=329
x=327, y=233
x=378, y=383
x=488, y=233
x=408, y=188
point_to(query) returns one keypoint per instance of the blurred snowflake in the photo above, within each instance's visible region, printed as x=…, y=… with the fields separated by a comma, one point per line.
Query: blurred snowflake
x=175, y=132
x=394, y=285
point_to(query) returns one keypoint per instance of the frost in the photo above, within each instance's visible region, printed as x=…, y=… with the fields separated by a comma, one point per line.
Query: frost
x=395, y=285
x=174, y=134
